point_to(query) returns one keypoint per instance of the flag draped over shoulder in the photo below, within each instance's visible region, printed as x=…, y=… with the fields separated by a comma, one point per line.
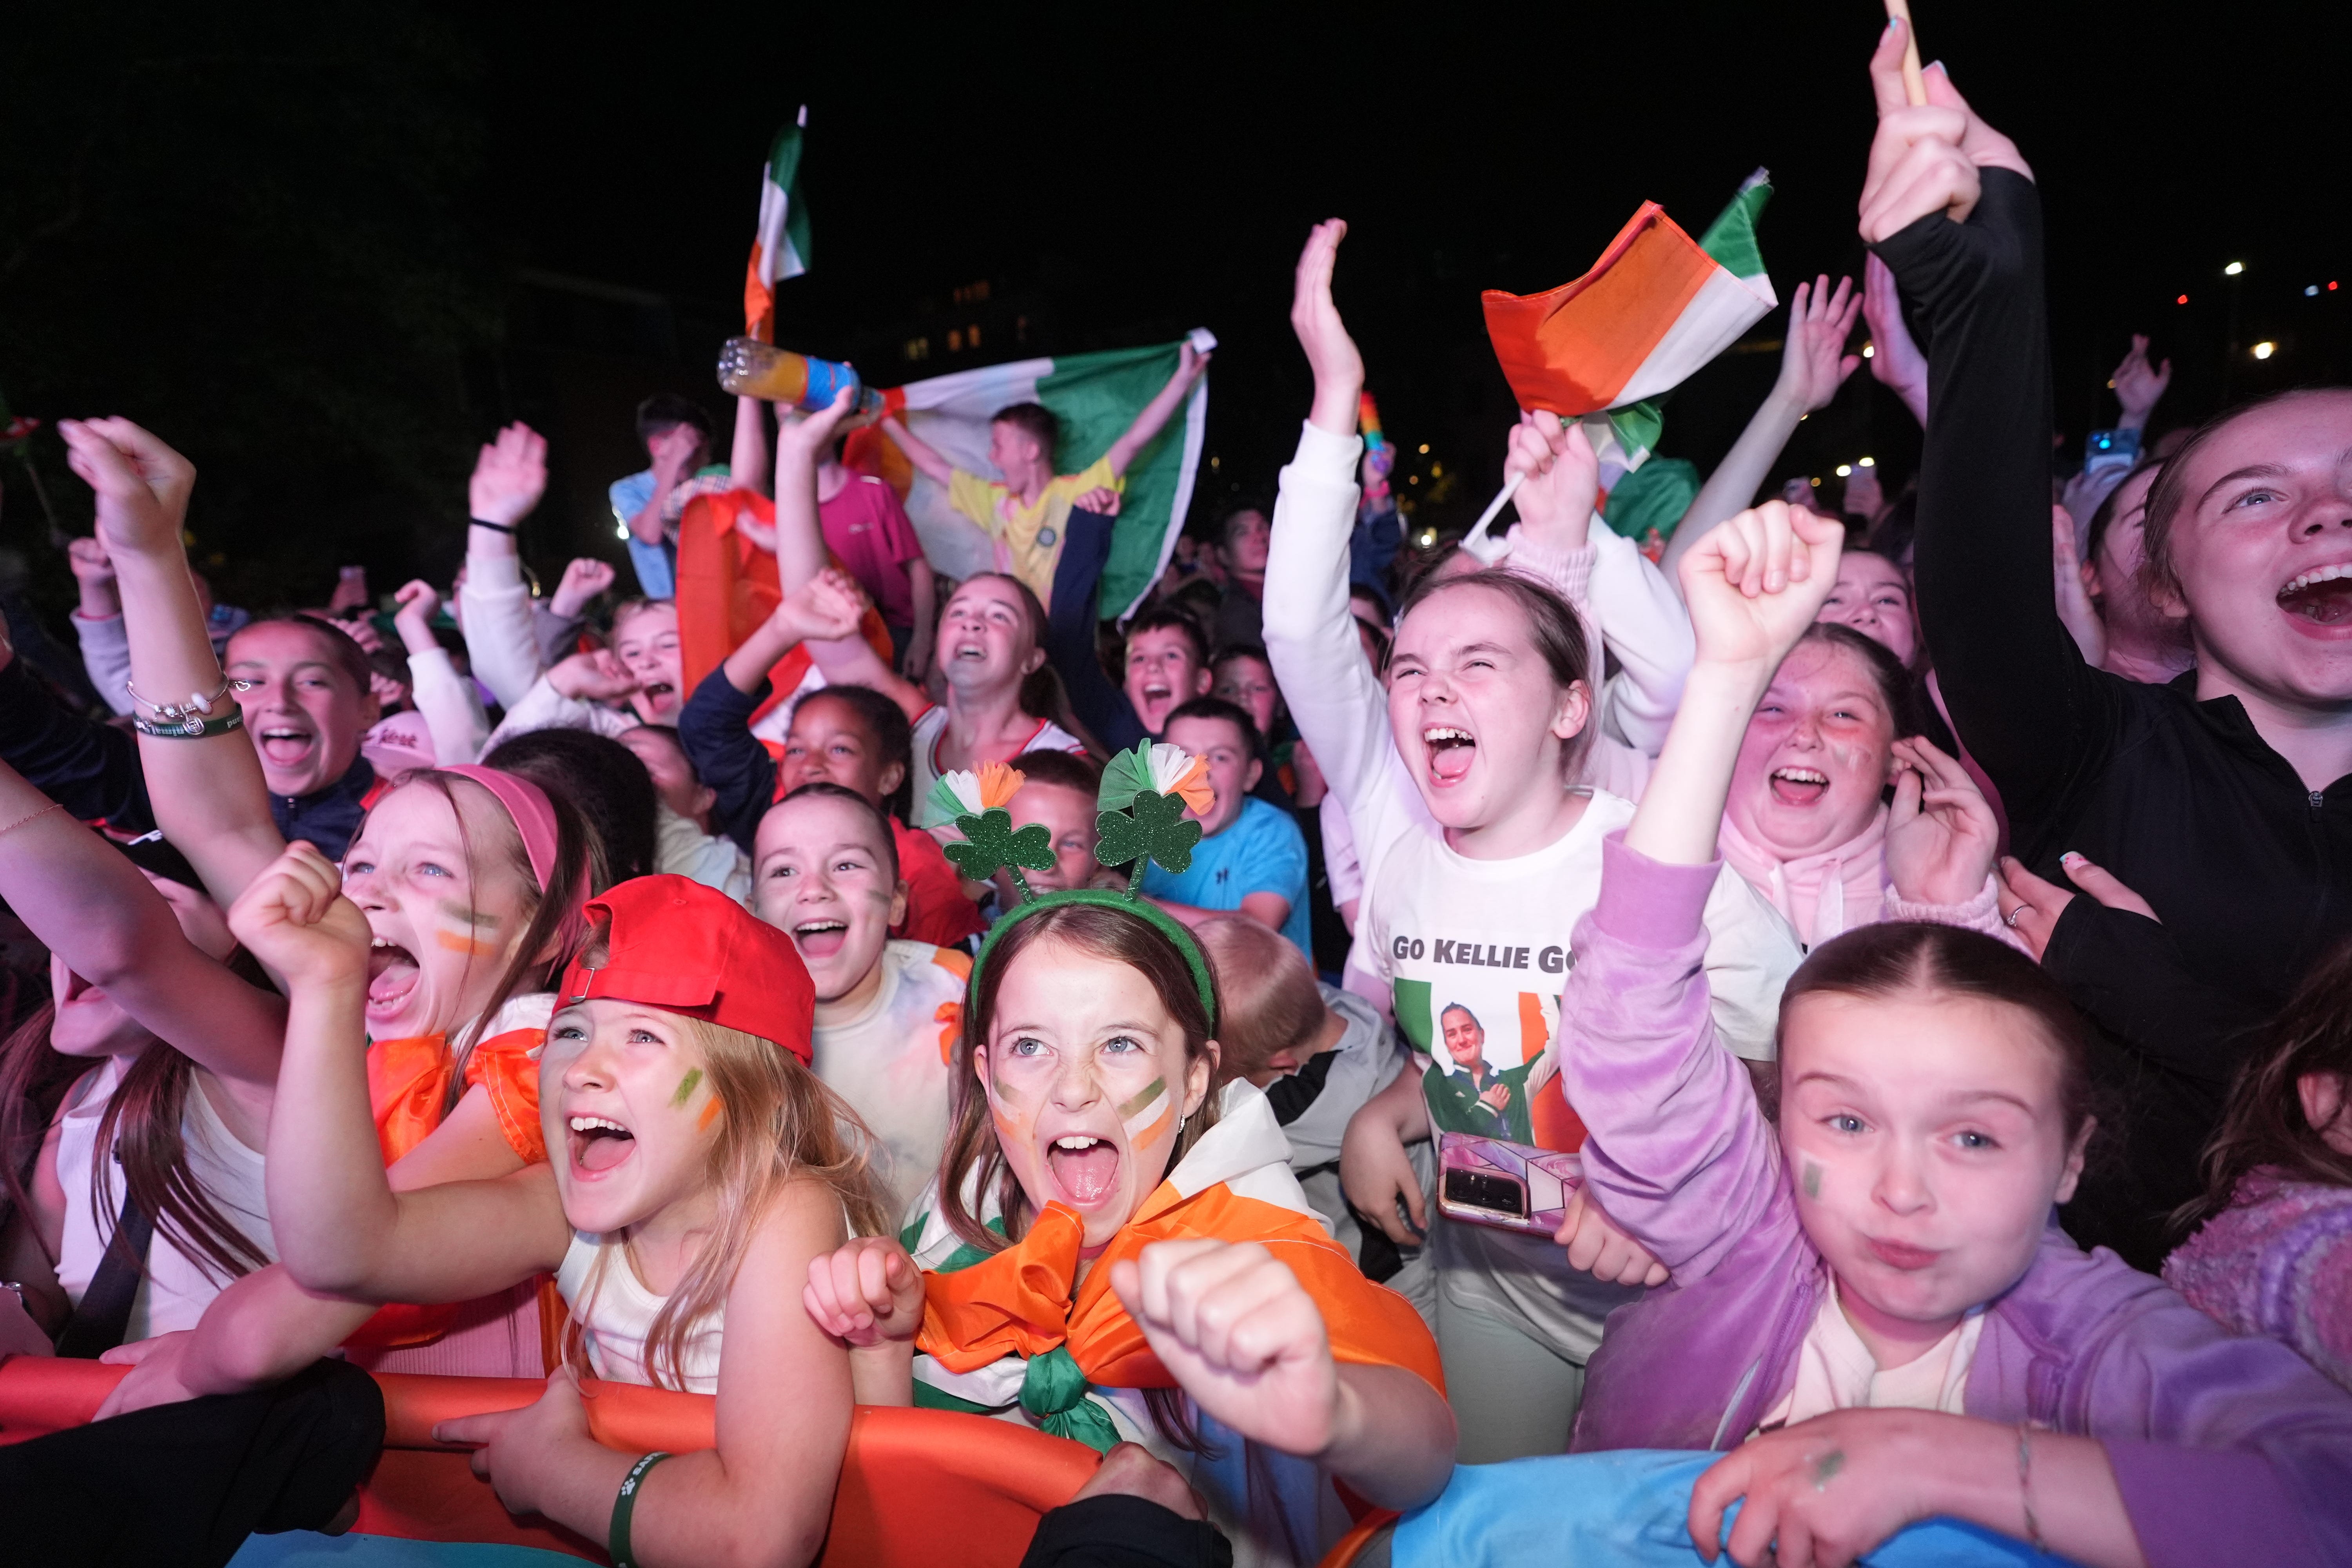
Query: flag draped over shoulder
x=780, y=247
x=1653, y=310
x=1096, y=397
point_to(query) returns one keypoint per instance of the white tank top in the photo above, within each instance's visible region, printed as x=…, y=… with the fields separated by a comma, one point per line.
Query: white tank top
x=616, y=1312
x=178, y=1286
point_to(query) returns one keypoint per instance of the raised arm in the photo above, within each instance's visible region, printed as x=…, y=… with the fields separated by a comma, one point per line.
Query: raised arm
x=501, y=643
x=1337, y=700
x=453, y=714
x=747, y=460
x=1678, y=1153
x=340, y=1226
x=1813, y=365
x=800, y=535
x=207, y=791
x=90, y=769
x=97, y=912
x=1895, y=361
x=1190, y=364
x=1951, y=207
x=920, y=452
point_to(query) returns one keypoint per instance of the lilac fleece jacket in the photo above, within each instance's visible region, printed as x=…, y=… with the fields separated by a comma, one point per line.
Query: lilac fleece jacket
x=2227, y=1450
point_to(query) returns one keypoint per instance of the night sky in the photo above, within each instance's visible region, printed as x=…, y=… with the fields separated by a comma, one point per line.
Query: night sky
x=1139, y=181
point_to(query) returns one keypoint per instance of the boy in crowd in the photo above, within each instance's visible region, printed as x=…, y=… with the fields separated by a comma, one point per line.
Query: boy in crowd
x=1059, y=791
x=1318, y=1052
x=1251, y=856
x=1242, y=540
x=1026, y=512
x=1167, y=665
x=678, y=437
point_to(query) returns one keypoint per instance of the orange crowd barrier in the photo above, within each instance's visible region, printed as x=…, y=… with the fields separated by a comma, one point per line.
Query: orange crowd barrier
x=916, y=1486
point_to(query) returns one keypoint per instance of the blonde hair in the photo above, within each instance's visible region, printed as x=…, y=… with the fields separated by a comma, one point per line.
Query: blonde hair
x=778, y=1124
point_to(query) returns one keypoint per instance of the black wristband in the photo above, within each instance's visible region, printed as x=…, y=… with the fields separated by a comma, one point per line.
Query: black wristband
x=506, y=527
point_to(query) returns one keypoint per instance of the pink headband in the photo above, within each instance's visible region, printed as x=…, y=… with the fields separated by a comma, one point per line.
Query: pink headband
x=527, y=803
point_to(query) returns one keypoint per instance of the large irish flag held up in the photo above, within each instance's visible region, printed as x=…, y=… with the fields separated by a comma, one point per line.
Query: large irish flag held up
x=780, y=247
x=1095, y=396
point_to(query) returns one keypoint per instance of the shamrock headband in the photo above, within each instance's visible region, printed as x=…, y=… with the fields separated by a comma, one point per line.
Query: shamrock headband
x=1141, y=805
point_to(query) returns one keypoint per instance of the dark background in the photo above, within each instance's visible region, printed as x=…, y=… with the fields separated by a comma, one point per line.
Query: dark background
x=325, y=250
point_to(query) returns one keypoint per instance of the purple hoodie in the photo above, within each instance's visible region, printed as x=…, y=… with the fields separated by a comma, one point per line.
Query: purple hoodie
x=2227, y=1450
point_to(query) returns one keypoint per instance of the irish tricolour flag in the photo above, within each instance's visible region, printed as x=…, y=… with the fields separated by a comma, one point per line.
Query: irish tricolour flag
x=780, y=247
x=1654, y=308
x=1095, y=396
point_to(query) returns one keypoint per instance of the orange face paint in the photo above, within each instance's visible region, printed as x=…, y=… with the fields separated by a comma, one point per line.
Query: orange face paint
x=472, y=947
x=709, y=1114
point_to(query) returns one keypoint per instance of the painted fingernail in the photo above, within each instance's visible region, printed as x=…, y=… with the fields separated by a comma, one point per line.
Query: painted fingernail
x=2071, y=858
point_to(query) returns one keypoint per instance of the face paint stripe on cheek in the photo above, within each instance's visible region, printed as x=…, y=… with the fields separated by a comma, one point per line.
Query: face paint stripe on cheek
x=685, y=1087
x=1145, y=1116
x=709, y=1114
x=467, y=914
x=1813, y=1180
x=472, y=947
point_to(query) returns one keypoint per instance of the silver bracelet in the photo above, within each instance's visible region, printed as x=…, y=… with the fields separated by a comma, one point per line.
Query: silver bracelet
x=198, y=704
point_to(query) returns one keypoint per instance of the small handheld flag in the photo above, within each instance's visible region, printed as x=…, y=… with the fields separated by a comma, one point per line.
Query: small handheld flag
x=780, y=247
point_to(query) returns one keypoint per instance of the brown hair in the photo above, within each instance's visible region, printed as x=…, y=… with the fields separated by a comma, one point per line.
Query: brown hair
x=1034, y=420
x=1266, y=991
x=2170, y=494
x=1069, y=769
x=1554, y=628
x=1887, y=672
x=342, y=648
x=885, y=724
x=780, y=1124
x=2263, y=1122
x=1897, y=958
x=824, y=789
x=973, y=1163
x=554, y=926
x=1042, y=695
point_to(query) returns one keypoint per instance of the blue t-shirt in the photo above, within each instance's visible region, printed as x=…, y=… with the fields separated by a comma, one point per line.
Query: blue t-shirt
x=1262, y=852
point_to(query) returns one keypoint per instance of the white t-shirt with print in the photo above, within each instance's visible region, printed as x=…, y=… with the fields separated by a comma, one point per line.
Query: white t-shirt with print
x=890, y=1063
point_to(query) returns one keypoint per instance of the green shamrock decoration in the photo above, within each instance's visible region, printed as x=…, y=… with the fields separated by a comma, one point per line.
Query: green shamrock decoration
x=1153, y=828
x=989, y=841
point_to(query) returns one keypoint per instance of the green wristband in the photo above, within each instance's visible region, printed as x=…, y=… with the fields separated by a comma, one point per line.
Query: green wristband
x=193, y=727
x=616, y=1535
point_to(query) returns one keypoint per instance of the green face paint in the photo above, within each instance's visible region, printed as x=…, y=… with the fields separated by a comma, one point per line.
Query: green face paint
x=1142, y=1097
x=1813, y=1180
x=1826, y=1468
x=685, y=1087
x=467, y=915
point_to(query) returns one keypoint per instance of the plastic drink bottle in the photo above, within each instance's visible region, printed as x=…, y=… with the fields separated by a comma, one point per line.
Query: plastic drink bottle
x=749, y=368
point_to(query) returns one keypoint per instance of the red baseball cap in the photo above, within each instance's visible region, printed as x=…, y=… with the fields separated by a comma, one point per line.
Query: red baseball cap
x=674, y=944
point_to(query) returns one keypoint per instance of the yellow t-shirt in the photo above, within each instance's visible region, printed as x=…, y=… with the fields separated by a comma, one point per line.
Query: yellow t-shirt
x=1028, y=538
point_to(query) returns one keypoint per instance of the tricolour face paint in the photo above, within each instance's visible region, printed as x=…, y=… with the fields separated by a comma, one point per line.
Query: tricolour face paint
x=1146, y=1116
x=471, y=921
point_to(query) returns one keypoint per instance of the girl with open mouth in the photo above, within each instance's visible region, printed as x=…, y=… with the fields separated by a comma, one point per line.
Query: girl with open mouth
x=1479, y=852
x=1101, y=1204
x=1807, y=825
x=697, y=1169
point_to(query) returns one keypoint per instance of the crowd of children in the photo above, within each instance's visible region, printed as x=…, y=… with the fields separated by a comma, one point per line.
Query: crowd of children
x=1862, y=1004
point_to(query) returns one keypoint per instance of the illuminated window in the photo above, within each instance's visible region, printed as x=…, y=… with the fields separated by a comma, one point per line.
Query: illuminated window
x=972, y=335
x=955, y=341
x=919, y=348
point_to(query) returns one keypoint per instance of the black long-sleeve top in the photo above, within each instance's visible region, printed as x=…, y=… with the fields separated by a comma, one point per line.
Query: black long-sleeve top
x=2181, y=799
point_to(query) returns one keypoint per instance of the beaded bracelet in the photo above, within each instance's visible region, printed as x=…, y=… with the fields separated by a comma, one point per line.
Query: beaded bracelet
x=192, y=727
x=197, y=703
x=616, y=1534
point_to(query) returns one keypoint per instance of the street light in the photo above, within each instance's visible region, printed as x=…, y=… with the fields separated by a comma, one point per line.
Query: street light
x=1845, y=470
x=2233, y=269
x=2264, y=350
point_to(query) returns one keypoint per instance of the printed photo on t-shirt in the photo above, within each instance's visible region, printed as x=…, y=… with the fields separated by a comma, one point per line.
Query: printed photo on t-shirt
x=1484, y=1018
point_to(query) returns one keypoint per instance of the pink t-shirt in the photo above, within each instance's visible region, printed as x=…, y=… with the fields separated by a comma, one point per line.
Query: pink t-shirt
x=867, y=530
